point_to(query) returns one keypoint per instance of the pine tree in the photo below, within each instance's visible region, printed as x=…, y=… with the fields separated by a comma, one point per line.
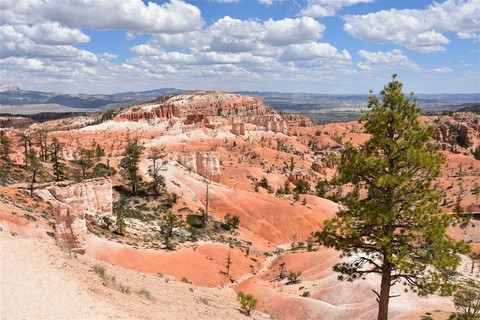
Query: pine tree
x=129, y=165
x=35, y=167
x=158, y=181
x=398, y=229
x=85, y=161
x=58, y=166
x=26, y=141
x=5, y=160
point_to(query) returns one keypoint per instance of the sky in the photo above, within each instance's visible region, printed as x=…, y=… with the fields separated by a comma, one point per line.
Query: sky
x=312, y=46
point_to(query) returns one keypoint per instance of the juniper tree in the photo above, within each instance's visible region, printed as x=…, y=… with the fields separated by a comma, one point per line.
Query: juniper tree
x=397, y=230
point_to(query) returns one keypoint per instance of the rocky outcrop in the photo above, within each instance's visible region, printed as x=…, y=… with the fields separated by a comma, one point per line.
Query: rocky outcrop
x=459, y=132
x=72, y=202
x=15, y=122
x=239, y=129
x=149, y=111
x=216, y=109
x=206, y=164
x=296, y=120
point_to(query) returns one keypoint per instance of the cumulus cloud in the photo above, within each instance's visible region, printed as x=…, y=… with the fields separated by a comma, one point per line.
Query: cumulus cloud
x=133, y=15
x=52, y=33
x=418, y=30
x=312, y=51
x=468, y=35
x=20, y=41
x=235, y=35
x=327, y=8
x=391, y=60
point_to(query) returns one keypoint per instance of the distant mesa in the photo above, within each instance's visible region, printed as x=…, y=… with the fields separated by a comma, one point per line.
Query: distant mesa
x=212, y=108
x=8, y=87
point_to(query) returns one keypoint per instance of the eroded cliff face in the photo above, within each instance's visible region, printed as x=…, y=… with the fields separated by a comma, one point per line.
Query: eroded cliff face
x=72, y=202
x=206, y=164
x=458, y=133
x=205, y=107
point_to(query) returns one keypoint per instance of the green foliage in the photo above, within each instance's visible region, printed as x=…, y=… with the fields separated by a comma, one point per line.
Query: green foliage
x=302, y=187
x=103, y=170
x=264, y=183
x=5, y=161
x=426, y=316
x=59, y=168
x=467, y=301
x=247, y=302
x=169, y=222
x=85, y=161
x=195, y=221
x=321, y=188
x=120, y=223
x=398, y=229
x=157, y=184
x=281, y=269
x=5, y=149
x=129, y=165
x=99, y=152
x=35, y=168
x=147, y=294
x=293, y=277
x=231, y=222
x=286, y=187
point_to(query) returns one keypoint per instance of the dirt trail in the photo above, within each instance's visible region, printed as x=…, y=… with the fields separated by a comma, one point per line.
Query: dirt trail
x=32, y=286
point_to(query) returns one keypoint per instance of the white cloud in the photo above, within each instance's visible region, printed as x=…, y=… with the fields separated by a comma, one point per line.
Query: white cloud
x=175, y=16
x=235, y=35
x=468, y=35
x=266, y=2
x=391, y=60
x=312, y=51
x=291, y=31
x=52, y=33
x=443, y=70
x=418, y=30
x=327, y=8
x=14, y=43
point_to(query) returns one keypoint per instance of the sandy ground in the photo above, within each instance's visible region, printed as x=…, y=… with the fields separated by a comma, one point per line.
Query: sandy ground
x=33, y=286
x=39, y=280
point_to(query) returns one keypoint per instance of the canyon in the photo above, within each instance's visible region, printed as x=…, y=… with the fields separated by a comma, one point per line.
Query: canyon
x=228, y=154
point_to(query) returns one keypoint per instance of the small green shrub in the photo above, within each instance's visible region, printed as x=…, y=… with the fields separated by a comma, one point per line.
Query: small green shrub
x=293, y=277
x=195, y=221
x=144, y=292
x=247, y=302
x=306, y=294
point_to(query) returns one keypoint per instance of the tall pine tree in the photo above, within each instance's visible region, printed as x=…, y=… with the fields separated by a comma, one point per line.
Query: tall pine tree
x=129, y=165
x=397, y=230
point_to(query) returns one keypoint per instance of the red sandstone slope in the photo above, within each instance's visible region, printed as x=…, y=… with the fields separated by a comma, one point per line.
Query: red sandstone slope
x=236, y=141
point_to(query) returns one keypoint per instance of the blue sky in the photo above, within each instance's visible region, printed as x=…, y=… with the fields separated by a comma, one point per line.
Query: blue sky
x=315, y=46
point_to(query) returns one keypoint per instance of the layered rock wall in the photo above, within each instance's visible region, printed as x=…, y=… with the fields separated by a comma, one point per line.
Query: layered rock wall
x=206, y=163
x=459, y=133
x=72, y=201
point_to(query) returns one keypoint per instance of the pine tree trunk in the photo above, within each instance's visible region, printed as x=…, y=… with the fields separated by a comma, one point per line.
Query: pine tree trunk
x=385, y=290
